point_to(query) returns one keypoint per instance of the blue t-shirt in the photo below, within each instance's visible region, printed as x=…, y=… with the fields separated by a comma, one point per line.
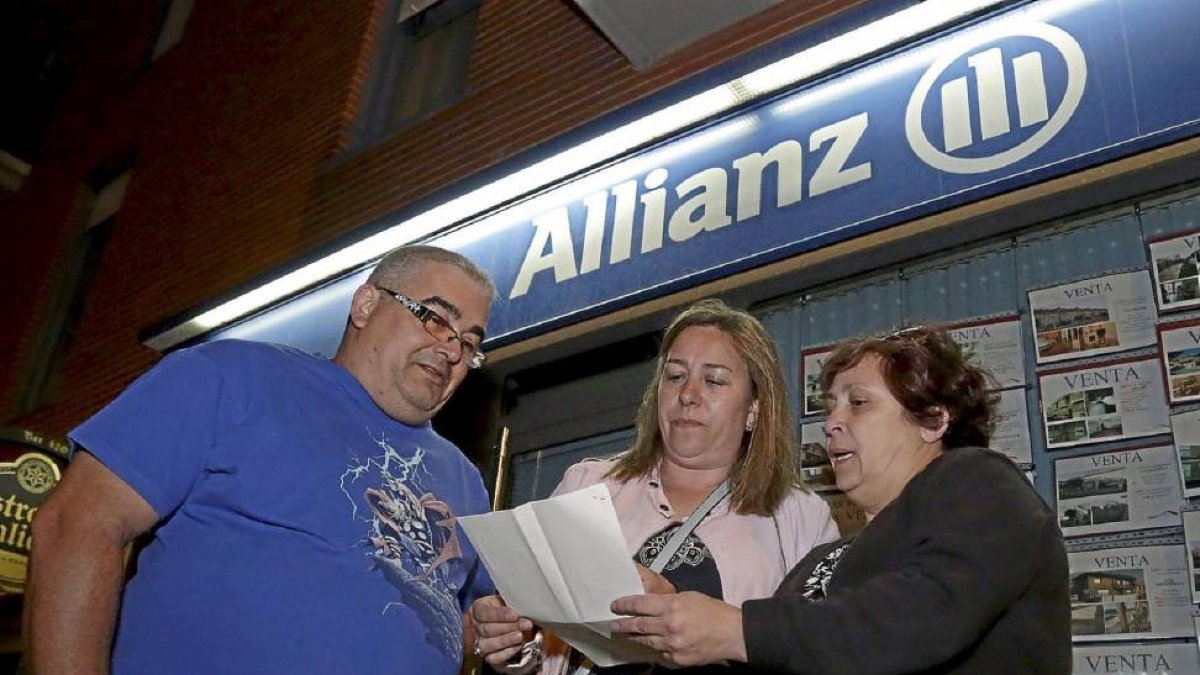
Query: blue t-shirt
x=303, y=530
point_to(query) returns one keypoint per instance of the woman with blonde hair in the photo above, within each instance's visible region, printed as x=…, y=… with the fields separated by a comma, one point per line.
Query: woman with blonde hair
x=711, y=479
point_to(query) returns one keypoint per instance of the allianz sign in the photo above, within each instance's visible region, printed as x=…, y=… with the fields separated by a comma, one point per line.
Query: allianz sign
x=983, y=106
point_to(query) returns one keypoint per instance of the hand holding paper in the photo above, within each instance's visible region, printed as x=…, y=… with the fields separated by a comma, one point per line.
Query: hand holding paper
x=561, y=562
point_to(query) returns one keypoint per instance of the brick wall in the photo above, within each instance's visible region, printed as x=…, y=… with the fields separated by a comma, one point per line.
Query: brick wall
x=241, y=135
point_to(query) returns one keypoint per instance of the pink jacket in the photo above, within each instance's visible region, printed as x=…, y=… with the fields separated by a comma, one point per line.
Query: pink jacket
x=753, y=553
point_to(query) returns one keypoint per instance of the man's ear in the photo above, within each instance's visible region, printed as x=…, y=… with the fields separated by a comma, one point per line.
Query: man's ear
x=934, y=434
x=363, y=304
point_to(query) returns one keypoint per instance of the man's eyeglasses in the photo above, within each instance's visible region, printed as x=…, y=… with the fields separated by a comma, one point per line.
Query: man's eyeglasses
x=439, y=328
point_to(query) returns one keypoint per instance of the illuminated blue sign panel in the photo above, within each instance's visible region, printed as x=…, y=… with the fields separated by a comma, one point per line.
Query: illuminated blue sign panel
x=1040, y=91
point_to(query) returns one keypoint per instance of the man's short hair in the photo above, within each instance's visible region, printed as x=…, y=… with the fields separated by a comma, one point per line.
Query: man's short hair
x=398, y=266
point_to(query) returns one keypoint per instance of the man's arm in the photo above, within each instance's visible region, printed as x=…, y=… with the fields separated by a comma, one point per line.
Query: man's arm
x=76, y=568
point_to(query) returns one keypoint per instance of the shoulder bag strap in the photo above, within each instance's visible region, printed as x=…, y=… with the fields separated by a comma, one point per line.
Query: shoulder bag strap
x=681, y=535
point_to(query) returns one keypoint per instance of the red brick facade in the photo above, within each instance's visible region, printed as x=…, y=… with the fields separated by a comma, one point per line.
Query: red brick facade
x=241, y=136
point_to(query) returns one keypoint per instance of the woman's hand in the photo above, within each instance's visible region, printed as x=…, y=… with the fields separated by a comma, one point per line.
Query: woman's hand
x=499, y=631
x=688, y=629
x=652, y=581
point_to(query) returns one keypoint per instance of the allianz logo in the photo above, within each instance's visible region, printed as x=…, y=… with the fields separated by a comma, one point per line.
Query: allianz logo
x=972, y=111
x=969, y=90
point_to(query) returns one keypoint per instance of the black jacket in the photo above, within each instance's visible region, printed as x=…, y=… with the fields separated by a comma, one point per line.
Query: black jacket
x=965, y=572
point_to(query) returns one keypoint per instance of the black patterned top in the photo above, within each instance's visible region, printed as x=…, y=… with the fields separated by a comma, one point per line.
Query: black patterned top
x=818, y=580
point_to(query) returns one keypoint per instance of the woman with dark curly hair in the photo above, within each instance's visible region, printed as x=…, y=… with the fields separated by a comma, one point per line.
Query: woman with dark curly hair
x=961, y=568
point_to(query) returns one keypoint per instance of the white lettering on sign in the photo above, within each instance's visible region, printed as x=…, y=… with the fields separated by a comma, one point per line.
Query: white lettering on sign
x=704, y=205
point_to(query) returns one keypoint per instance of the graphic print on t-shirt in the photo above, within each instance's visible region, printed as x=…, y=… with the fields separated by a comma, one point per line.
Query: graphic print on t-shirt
x=411, y=538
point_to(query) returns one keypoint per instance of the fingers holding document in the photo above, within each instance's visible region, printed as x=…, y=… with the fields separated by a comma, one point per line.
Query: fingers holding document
x=499, y=631
x=686, y=628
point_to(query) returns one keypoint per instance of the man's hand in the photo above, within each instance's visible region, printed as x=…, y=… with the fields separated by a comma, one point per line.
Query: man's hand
x=652, y=581
x=499, y=631
x=689, y=629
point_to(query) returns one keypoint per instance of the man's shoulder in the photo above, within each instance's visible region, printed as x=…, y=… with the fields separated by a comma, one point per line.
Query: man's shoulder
x=246, y=366
x=242, y=359
x=241, y=352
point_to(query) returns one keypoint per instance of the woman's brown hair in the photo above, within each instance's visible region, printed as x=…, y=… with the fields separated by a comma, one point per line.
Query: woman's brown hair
x=926, y=371
x=766, y=467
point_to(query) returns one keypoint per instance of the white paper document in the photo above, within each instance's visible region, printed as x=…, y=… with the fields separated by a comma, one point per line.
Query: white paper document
x=561, y=562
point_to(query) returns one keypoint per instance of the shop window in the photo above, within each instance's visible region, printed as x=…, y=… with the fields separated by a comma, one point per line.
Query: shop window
x=174, y=16
x=107, y=192
x=420, y=67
